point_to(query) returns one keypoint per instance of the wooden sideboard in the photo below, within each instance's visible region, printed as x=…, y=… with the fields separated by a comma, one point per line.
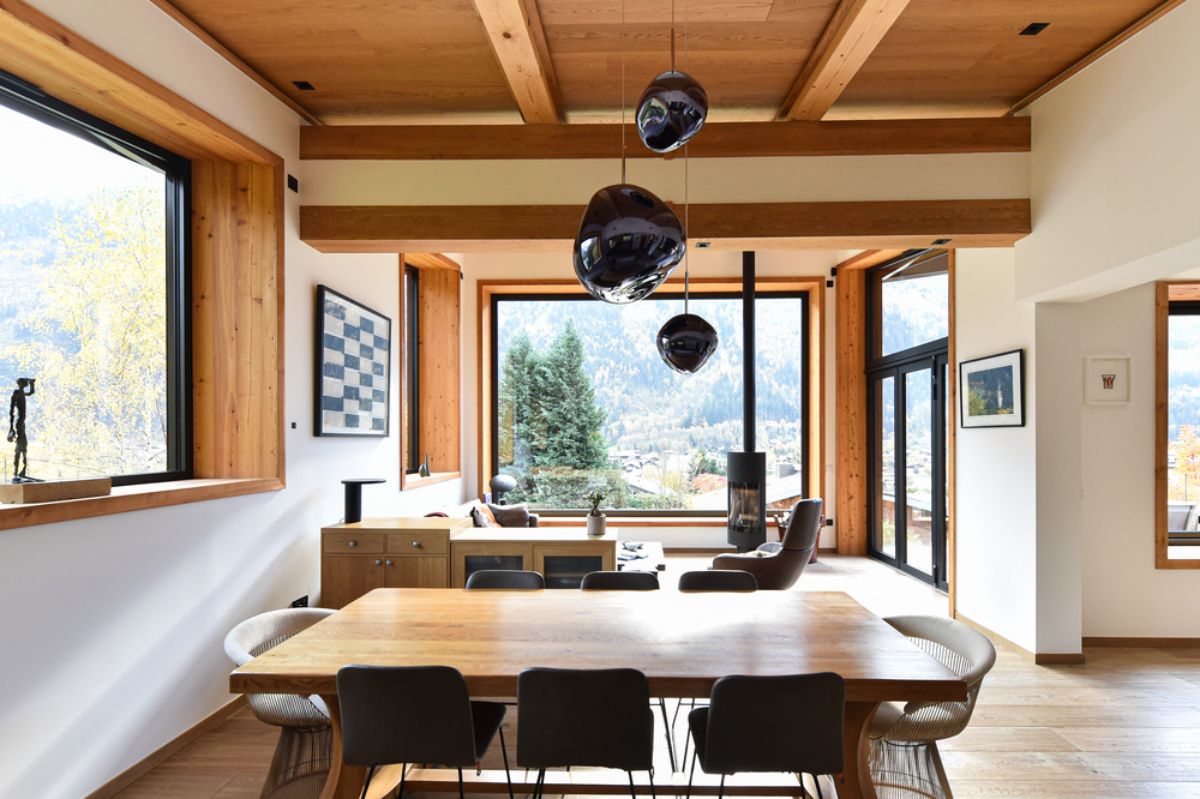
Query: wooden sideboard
x=385, y=553
x=440, y=552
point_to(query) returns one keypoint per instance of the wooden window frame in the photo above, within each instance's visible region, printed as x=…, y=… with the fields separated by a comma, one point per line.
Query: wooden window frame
x=814, y=287
x=438, y=418
x=1164, y=294
x=237, y=267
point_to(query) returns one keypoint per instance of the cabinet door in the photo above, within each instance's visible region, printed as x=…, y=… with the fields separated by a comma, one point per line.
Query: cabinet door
x=476, y=556
x=418, y=572
x=563, y=565
x=344, y=578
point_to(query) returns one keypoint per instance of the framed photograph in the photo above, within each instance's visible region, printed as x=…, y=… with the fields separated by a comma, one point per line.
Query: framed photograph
x=1106, y=380
x=992, y=391
x=353, y=369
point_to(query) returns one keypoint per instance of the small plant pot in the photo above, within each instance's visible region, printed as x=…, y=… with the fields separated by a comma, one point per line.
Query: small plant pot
x=596, y=524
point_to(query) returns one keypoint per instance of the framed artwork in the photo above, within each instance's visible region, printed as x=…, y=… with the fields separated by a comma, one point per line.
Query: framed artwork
x=992, y=391
x=353, y=368
x=1106, y=380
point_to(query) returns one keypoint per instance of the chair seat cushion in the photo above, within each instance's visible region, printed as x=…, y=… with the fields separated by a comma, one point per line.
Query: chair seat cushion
x=486, y=717
x=510, y=515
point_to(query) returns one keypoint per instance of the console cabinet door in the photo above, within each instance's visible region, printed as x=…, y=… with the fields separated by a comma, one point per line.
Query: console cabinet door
x=344, y=578
x=417, y=572
x=563, y=565
x=475, y=556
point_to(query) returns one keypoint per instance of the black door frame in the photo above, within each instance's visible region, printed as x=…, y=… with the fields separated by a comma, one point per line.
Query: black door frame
x=933, y=357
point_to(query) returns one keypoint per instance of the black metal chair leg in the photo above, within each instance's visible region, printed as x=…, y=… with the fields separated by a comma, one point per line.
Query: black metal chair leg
x=721, y=790
x=461, y=794
x=367, y=782
x=817, y=782
x=632, y=790
x=504, y=752
x=662, y=705
x=653, y=795
x=691, y=774
x=539, y=784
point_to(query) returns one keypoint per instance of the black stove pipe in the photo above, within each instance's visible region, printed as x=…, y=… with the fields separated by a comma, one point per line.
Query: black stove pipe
x=749, y=398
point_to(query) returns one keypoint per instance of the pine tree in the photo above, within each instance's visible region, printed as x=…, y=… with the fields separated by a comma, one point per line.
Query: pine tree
x=568, y=410
x=516, y=403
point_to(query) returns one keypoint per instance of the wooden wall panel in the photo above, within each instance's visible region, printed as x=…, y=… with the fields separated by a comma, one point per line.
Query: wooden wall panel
x=439, y=369
x=237, y=316
x=851, y=440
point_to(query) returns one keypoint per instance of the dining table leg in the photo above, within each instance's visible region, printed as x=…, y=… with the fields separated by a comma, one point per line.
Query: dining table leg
x=855, y=780
x=344, y=781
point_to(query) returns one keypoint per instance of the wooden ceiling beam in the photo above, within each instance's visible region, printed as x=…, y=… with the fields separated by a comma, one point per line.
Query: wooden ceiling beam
x=719, y=140
x=514, y=27
x=818, y=225
x=856, y=29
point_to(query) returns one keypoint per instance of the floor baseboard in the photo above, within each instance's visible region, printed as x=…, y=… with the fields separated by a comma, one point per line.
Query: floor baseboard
x=1058, y=658
x=1150, y=643
x=140, y=768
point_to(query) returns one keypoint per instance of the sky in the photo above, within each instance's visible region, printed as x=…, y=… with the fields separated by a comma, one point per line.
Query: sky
x=40, y=162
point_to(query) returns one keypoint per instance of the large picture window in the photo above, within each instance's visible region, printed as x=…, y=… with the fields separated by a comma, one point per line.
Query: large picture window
x=582, y=401
x=93, y=295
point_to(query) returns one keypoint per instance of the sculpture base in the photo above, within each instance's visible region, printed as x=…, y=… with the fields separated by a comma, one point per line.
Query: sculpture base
x=54, y=490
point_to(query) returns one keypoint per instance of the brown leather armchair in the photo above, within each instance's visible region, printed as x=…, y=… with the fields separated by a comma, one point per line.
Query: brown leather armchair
x=781, y=569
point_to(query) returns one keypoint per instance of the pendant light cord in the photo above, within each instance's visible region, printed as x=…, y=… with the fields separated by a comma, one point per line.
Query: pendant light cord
x=686, y=218
x=622, y=49
x=672, y=35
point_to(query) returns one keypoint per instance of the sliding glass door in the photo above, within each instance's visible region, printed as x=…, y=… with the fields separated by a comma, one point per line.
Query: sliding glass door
x=907, y=409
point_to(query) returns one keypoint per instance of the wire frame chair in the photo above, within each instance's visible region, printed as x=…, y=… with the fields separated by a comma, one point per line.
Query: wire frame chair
x=904, y=758
x=305, y=750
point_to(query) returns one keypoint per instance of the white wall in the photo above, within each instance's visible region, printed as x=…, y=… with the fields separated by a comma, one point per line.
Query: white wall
x=1115, y=197
x=996, y=488
x=113, y=626
x=704, y=263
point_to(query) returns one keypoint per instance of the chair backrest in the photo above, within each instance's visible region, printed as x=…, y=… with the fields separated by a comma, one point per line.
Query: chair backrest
x=964, y=651
x=790, y=723
x=584, y=717
x=620, y=581
x=405, y=714
x=266, y=631
x=505, y=578
x=717, y=580
x=804, y=525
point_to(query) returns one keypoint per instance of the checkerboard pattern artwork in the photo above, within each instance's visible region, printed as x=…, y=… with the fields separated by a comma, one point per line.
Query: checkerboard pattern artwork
x=355, y=356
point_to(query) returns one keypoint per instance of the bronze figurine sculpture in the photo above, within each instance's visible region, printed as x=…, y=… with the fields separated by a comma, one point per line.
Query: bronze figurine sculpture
x=16, y=429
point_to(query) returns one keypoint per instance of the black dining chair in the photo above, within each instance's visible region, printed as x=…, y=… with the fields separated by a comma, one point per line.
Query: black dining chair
x=787, y=724
x=620, y=581
x=632, y=581
x=585, y=717
x=717, y=580
x=506, y=579
x=415, y=714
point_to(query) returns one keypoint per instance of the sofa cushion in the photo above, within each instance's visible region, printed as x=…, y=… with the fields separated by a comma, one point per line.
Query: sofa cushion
x=510, y=515
x=482, y=517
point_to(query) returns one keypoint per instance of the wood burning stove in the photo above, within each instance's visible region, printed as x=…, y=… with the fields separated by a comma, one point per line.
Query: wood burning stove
x=746, y=471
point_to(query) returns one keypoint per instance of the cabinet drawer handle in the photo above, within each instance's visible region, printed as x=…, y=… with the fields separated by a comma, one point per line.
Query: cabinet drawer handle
x=352, y=543
x=416, y=544
x=389, y=561
x=378, y=562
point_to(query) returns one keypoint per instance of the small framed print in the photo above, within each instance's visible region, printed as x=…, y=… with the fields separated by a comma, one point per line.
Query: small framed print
x=1106, y=380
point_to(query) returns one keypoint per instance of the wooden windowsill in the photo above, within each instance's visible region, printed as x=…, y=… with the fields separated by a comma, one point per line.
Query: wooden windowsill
x=415, y=481
x=636, y=521
x=136, y=497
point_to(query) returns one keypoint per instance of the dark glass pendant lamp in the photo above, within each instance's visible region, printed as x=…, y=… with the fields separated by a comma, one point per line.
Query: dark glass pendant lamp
x=629, y=241
x=686, y=341
x=673, y=107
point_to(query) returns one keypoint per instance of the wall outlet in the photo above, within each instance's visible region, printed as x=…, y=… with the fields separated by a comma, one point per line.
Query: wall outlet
x=302, y=602
x=829, y=521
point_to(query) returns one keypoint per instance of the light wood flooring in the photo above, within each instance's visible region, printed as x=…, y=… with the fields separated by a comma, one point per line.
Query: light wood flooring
x=1125, y=724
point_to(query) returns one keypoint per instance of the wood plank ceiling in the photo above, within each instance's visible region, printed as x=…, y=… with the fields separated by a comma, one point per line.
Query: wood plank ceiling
x=473, y=61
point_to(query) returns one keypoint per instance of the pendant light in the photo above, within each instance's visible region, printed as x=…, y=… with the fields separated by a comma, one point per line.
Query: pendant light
x=686, y=341
x=629, y=241
x=673, y=107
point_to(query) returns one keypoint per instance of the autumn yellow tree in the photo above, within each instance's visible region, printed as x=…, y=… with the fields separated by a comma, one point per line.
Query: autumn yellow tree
x=98, y=341
x=1185, y=477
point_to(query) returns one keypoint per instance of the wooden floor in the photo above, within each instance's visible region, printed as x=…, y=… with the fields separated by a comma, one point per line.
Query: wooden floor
x=1126, y=724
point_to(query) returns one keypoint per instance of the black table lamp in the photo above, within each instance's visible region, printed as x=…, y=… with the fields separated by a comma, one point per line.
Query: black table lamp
x=501, y=484
x=354, y=486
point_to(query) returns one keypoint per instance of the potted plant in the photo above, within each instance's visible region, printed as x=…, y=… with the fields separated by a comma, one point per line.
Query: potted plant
x=595, y=519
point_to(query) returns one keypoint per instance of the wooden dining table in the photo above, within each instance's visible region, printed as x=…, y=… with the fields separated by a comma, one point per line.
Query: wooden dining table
x=683, y=642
